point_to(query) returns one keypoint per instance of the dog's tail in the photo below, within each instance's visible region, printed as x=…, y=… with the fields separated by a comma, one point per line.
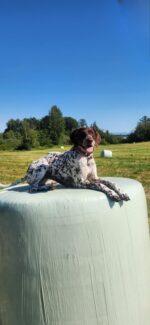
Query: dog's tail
x=19, y=181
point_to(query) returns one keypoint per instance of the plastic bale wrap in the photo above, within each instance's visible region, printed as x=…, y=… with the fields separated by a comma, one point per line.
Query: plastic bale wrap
x=72, y=257
x=106, y=154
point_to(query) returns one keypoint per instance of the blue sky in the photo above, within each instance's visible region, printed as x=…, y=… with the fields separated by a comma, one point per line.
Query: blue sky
x=91, y=58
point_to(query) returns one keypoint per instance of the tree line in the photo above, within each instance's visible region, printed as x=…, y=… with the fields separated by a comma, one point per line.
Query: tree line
x=141, y=132
x=55, y=129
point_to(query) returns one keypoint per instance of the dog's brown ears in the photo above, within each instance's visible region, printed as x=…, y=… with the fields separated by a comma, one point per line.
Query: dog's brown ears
x=97, y=137
x=74, y=136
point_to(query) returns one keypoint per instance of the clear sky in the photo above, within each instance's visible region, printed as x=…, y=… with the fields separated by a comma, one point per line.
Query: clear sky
x=91, y=58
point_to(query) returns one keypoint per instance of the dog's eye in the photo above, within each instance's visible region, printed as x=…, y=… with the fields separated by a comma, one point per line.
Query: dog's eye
x=90, y=132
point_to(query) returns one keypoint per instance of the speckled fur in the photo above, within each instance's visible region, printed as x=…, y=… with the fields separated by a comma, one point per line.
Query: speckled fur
x=74, y=168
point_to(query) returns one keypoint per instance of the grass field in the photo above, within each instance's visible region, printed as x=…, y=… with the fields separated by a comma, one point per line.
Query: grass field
x=129, y=160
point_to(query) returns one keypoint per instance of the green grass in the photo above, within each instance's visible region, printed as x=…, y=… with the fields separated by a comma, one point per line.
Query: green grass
x=129, y=160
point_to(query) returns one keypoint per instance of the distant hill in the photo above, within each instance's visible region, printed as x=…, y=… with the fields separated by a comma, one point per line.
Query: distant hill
x=121, y=134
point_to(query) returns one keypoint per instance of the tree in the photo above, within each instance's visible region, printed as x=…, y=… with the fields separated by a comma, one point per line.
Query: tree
x=143, y=120
x=142, y=131
x=56, y=125
x=10, y=141
x=44, y=139
x=96, y=128
x=44, y=123
x=100, y=131
x=70, y=124
x=82, y=123
x=26, y=143
x=33, y=123
x=13, y=125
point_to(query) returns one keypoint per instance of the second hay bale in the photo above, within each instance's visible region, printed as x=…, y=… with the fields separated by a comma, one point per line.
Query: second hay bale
x=106, y=154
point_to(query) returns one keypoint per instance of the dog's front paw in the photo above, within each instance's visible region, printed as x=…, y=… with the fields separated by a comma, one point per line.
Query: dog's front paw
x=124, y=197
x=113, y=196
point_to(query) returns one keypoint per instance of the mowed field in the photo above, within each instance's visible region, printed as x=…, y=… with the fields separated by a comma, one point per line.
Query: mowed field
x=129, y=160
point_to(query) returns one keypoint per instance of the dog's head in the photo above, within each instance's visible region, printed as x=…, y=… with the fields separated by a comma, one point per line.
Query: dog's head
x=84, y=140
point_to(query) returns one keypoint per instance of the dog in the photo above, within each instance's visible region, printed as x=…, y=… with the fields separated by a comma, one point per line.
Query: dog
x=74, y=168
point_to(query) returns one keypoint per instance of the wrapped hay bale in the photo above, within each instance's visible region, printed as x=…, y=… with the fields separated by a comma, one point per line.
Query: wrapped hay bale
x=73, y=257
x=106, y=153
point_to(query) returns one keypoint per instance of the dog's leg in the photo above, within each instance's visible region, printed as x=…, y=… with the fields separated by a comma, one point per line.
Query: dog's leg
x=42, y=185
x=40, y=188
x=36, y=178
x=123, y=196
x=98, y=186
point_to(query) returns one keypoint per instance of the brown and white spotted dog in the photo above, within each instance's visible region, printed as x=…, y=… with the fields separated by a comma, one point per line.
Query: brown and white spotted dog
x=74, y=168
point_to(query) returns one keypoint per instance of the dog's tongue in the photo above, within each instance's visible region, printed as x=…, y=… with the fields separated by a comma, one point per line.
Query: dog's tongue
x=89, y=150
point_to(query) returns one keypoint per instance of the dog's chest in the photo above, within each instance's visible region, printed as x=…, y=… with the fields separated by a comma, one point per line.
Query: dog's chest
x=87, y=163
